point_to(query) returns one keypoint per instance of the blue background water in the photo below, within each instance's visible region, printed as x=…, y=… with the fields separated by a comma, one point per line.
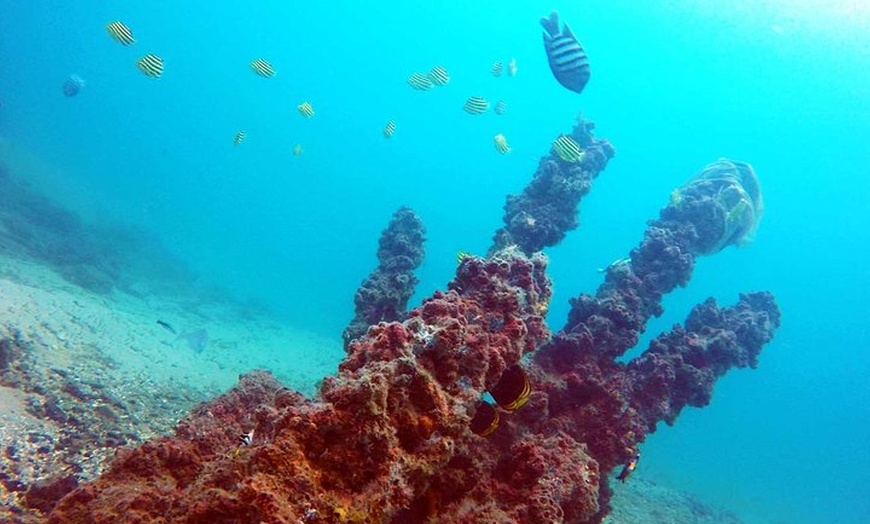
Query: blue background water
x=675, y=85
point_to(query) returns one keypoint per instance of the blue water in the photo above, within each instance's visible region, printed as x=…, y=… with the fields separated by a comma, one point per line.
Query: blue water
x=784, y=85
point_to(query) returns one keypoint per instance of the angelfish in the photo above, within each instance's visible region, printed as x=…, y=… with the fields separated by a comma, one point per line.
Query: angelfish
x=567, y=59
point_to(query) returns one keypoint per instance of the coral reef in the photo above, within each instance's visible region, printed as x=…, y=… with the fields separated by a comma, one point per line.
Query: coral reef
x=405, y=432
x=546, y=210
x=383, y=296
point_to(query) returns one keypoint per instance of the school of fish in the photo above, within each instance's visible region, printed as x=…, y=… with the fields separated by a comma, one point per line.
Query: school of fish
x=565, y=56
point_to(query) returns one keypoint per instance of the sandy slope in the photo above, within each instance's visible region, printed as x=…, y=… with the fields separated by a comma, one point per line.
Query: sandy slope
x=89, y=372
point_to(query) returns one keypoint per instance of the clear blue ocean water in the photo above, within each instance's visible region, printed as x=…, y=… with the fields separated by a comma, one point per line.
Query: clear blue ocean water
x=676, y=84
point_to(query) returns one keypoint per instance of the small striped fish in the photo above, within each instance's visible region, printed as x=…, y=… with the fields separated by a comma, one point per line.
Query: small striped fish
x=568, y=149
x=263, y=68
x=500, y=107
x=120, y=32
x=567, y=59
x=151, y=65
x=501, y=144
x=305, y=109
x=390, y=128
x=476, y=105
x=496, y=68
x=438, y=75
x=420, y=82
x=512, y=67
x=240, y=136
x=298, y=150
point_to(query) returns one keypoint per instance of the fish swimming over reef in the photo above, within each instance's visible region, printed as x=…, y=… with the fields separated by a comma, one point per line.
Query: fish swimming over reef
x=438, y=75
x=120, y=32
x=476, y=105
x=151, y=65
x=72, y=85
x=496, y=68
x=306, y=109
x=628, y=468
x=390, y=128
x=239, y=138
x=568, y=61
x=420, y=82
x=501, y=144
x=262, y=68
x=568, y=149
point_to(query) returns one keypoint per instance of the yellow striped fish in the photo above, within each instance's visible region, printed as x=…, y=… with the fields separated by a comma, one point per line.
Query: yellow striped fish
x=438, y=75
x=305, y=109
x=239, y=138
x=512, y=67
x=476, y=105
x=501, y=144
x=263, y=68
x=500, y=107
x=151, y=65
x=568, y=149
x=496, y=68
x=298, y=150
x=120, y=32
x=420, y=82
x=390, y=128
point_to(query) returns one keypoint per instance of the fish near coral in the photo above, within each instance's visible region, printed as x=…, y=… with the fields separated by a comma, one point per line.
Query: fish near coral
x=567, y=59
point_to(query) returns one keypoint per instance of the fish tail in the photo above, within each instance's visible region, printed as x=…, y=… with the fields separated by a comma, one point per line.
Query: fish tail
x=551, y=25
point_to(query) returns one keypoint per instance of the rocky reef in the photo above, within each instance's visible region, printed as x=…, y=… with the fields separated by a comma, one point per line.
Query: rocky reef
x=467, y=409
x=383, y=296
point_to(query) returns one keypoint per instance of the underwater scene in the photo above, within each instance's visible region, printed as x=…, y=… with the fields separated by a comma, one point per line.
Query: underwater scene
x=434, y=262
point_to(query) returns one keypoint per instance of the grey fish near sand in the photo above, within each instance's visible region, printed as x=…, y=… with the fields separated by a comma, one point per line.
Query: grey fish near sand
x=167, y=327
x=196, y=340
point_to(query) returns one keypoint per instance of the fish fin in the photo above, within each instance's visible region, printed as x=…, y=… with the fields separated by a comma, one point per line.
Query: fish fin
x=551, y=25
x=566, y=31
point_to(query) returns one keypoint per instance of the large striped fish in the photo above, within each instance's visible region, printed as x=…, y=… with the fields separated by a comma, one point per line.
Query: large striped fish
x=567, y=59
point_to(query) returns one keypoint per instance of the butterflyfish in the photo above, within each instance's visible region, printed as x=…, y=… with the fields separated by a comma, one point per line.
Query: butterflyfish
x=501, y=144
x=120, y=32
x=568, y=149
x=438, y=76
x=151, y=65
x=475, y=105
x=305, y=109
x=420, y=82
x=262, y=68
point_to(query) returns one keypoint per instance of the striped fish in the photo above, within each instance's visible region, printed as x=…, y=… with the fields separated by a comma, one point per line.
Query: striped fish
x=239, y=138
x=512, y=67
x=151, y=65
x=567, y=59
x=390, y=128
x=420, y=82
x=476, y=105
x=500, y=107
x=568, y=149
x=501, y=144
x=120, y=32
x=262, y=68
x=305, y=109
x=298, y=150
x=496, y=68
x=438, y=75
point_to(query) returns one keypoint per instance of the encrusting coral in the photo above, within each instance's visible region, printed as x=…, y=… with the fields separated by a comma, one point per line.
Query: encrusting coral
x=404, y=432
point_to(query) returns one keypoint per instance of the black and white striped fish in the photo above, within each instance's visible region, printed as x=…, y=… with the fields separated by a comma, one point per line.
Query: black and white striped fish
x=151, y=65
x=120, y=32
x=568, y=61
x=476, y=105
x=262, y=68
x=390, y=128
